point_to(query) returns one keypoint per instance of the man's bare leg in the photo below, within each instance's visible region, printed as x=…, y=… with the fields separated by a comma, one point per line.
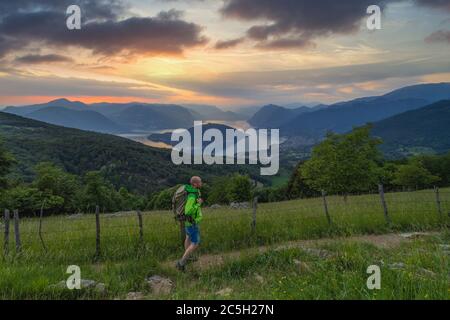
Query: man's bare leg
x=187, y=243
x=188, y=253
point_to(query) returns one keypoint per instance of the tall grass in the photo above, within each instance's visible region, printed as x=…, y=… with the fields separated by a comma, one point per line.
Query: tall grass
x=125, y=262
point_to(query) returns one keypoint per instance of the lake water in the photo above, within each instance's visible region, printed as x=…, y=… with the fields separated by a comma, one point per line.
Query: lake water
x=142, y=137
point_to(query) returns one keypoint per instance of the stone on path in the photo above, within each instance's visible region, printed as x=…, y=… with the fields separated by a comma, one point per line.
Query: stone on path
x=160, y=285
x=224, y=292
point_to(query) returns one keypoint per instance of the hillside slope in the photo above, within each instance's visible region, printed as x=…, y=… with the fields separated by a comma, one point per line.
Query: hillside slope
x=423, y=130
x=125, y=163
x=342, y=117
x=84, y=120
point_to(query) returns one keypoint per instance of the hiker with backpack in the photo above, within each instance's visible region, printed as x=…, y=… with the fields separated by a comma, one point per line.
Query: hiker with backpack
x=187, y=204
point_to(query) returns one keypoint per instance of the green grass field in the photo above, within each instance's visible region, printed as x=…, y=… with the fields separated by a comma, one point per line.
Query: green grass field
x=272, y=274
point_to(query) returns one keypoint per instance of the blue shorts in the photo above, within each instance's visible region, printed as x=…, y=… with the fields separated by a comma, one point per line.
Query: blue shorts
x=193, y=232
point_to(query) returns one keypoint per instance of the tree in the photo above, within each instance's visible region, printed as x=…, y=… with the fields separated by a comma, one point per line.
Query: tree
x=97, y=191
x=344, y=163
x=297, y=186
x=53, y=181
x=240, y=188
x=414, y=175
x=6, y=162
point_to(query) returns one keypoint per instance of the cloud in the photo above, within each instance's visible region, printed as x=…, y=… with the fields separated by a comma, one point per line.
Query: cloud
x=286, y=43
x=91, y=9
x=439, y=36
x=102, y=31
x=228, y=43
x=437, y=4
x=47, y=58
x=295, y=23
x=286, y=84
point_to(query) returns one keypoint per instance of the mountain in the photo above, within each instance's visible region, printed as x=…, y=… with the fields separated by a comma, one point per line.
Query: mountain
x=124, y=162
x=63, y=103
x=166, y=137
x=84, y=120
x=342, y=117
x=111, y=117
x=273, y=116
x=206, y=112
x=423, y=130
x=247, y=112
x=154, y=117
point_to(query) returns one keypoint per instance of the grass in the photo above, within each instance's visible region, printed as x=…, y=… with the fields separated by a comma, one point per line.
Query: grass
x=124, y=263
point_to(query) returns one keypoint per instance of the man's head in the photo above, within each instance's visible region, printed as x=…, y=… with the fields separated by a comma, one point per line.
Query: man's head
x=196, y=182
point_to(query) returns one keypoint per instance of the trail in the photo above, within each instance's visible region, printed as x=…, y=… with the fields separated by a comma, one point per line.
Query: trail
x=386, y=241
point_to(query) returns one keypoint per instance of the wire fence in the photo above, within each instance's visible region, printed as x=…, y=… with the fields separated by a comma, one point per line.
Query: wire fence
x=323, y=212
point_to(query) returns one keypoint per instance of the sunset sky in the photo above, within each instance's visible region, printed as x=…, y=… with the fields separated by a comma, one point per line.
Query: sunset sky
x=225, y=53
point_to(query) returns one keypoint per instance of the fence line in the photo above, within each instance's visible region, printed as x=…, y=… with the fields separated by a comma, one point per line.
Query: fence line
x=137, y=229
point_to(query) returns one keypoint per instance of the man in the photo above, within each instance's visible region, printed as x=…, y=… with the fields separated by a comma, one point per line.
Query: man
x=193, y=213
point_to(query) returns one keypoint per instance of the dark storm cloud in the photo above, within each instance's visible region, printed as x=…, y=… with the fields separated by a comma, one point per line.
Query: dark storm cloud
x=46, y=58
x=102, y=30
x=437, y=4
x=92, y=9
x=439, y=36
x=294, y=23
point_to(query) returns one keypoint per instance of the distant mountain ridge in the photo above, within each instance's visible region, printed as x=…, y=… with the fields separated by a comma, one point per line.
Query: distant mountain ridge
x=84, y=120
x=342, y=117
x=109, y=117
x=273, y=116
x=422, y=130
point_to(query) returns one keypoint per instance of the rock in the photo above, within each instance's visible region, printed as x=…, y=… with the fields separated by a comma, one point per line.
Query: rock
x=302, y=266
x=224, y=292
x=75, y=216
x=160, y=285
x=60, y=285
x=84, y=284
x=397, y=266
x=426, y=272
x=100, y=288
x=215, y=206
x=239, y=205
x=259, y=278
x=413, y=235
x=135, y=296
x=321, y=253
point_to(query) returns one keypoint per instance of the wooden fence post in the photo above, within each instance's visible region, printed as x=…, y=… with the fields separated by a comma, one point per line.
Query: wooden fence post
x=40, y=226
x=141, y=227
x=383, y=203
x=325, y=205
x=255, y=207
x=438, y=201
x=97, y=229
x=6, y=241
x=17, y=231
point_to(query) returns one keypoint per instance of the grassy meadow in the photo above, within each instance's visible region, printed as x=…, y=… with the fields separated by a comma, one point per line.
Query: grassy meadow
x=271, y=274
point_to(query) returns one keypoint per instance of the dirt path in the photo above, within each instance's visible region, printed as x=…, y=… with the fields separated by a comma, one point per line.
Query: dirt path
x=391, y=240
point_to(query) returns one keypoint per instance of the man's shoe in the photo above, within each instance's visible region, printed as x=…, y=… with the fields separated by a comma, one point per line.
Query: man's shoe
x=193, y=258
x=180, y=267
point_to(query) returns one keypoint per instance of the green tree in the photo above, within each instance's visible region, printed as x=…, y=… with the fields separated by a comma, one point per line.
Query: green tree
x=97, y=192
x=414, y=175
x=6, y=162
x=240, y=188
x=344, y=163
x=53, y=181
x=297, y=186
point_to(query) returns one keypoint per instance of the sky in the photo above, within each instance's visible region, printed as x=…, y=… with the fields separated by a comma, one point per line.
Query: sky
x=219, y=52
